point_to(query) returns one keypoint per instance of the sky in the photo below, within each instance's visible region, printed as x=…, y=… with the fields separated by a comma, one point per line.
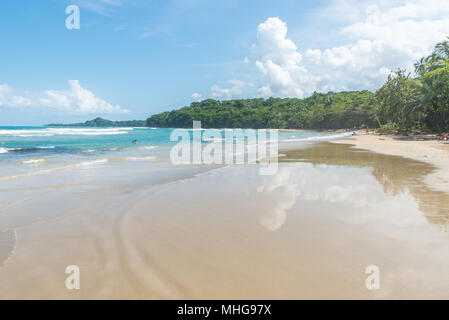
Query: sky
x=131, y=59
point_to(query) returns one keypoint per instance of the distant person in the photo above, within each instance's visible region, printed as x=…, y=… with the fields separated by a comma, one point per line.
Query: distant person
x=445, y=136
x=135, y=141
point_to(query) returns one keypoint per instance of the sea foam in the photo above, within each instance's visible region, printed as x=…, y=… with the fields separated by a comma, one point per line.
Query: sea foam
x=33, y=161
x=47, y=132
x=140, y=158
x=90, y=163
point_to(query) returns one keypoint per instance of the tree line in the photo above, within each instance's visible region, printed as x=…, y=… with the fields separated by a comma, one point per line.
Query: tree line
x=319, y=111
x=100, y=122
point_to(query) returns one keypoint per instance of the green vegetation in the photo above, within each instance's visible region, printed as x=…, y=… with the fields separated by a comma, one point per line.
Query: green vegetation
x=407, y=104
x=99, y=122
x=324, y=111
x=404, y=104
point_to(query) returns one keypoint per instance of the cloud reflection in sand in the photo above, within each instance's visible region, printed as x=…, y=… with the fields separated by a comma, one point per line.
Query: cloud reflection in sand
x=383, y=188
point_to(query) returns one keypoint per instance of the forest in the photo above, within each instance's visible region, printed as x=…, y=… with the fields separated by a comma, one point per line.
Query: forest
x=404, y=104
x=324, y=111
x=100, y=122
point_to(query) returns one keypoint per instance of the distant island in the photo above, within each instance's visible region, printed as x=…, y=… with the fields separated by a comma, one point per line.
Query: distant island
x=100, y=122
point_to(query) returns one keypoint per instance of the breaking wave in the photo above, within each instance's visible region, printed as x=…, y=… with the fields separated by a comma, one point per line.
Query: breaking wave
x=33, y=161
x=47, y=132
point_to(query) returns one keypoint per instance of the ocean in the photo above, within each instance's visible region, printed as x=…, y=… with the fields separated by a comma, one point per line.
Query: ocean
x=31, y=145
x=36, y=156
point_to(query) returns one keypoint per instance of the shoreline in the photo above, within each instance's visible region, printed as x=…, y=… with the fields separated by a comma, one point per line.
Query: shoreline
x=309, y=130
x=433, y=152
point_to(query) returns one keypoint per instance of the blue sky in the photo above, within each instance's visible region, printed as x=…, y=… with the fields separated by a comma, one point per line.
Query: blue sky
x=130, y=59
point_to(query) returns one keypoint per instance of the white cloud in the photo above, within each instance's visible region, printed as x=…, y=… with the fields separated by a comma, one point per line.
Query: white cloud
x=75, y=100
x=9, y=100
x=314, y=55
x=236, y=89
x=196, y=96
x=362, y=42
x=279, y=62
x=382, y=36
x=274, y=44
x=265, y=91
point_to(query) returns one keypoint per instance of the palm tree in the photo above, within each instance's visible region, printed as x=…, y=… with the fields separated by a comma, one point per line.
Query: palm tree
x=442, y=50
x=429, y=63
x=420, y=65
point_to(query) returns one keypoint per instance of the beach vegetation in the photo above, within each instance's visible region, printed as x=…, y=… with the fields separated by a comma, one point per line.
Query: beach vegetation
x=410, y=105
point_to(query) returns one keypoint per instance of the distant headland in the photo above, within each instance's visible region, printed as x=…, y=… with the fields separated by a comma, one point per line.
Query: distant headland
x=100, y=122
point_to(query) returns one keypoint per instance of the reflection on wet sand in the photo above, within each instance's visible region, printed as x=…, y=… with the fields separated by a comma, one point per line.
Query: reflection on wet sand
x=395, y=174
x=308, y=231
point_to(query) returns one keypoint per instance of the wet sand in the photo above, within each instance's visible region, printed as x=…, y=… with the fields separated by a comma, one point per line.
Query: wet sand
x=307, y=232
x=433, y=152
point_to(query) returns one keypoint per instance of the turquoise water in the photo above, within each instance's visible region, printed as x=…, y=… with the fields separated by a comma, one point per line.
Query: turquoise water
x=42, y=141
x=33, y=156
x=16, y=141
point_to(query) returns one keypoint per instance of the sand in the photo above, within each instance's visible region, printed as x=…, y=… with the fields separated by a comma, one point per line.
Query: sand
x=308, y=232
x=142, y=230
x=433, y=152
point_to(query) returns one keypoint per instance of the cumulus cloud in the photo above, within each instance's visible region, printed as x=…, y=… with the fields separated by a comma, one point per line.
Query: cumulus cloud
x=287, y=73
x=313, y=55
x=382, y=37
x=75, y=100
x=7, y=98
x=236, y=89
x=370, y=39
x=279, y=62
x=196, y=96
